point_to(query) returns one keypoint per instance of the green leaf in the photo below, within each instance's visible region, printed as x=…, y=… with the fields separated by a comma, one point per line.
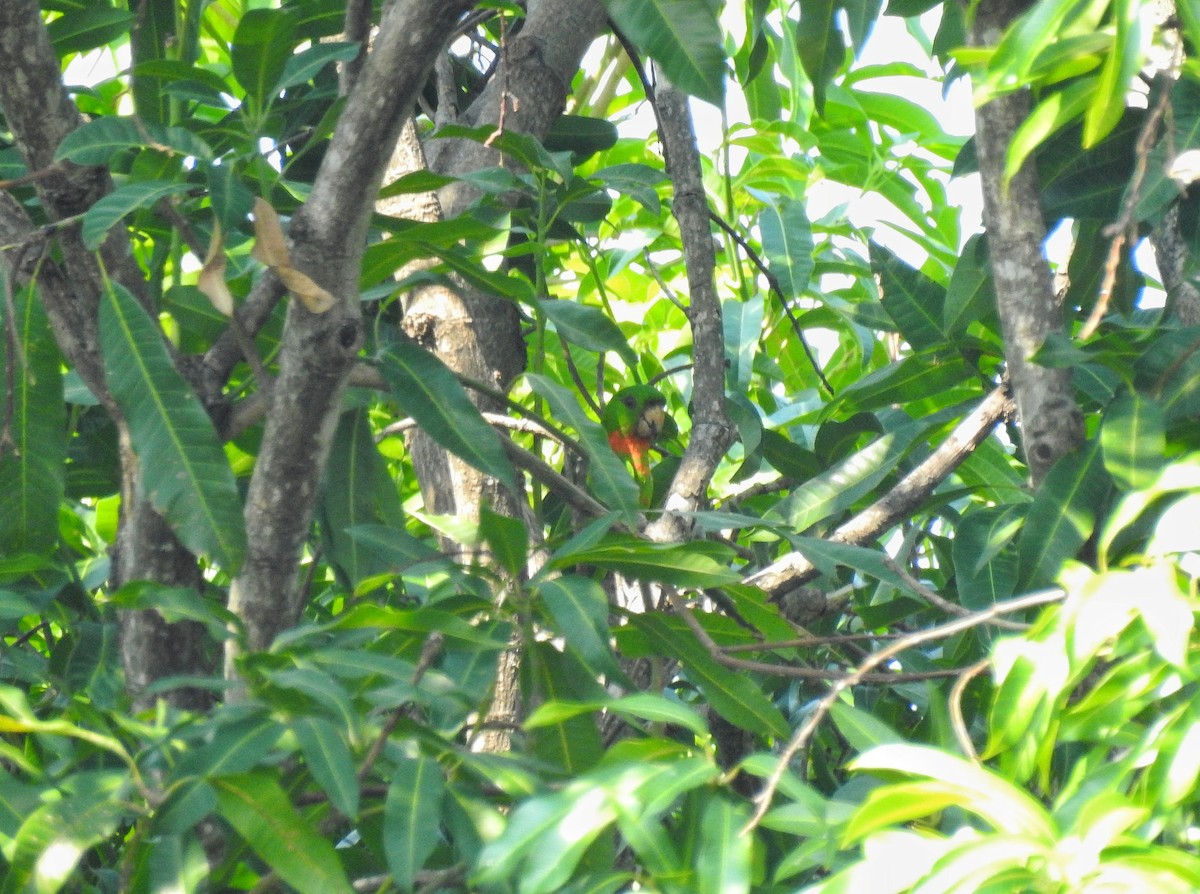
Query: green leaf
x=861, y=729
x=1121, y=63
x=736, y=698
x=304, y=66
x=1133, y=438
x=971, y=295
x=181, y=465
x=985, y=567
x=998, y=802
x=742, y=322
x=1062, y=515
x=176, y=604
x=128, y=197
x=85, y=29
x=841, y=485
x=56, y=835
x=412, y=817
x=678, y=564
x=32, y=476
x=356, y=492
x=427, y=390
x=1052, y=114
x=610, y=480
x=262, y=47
x=578, y=608
x=95, y=142
x=587, y=326
x=819, y=43
x=329, y=760
x=236, y=746
x=912, y=299
x=508, y=540
x=723, y=857
x=571, y=743
x=788, y=243
x=682, y=36
x=259, y=811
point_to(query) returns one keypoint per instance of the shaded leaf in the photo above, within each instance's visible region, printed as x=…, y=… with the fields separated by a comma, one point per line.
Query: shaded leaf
x=181, y=465
x=412, y=816
x=681, y=36
x=259, y=811
x=427, y=390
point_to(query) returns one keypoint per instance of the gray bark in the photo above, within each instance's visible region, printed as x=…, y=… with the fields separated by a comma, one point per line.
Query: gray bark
x=1051, y=423
x=40, y=115
x=712, y=432
x=327, y=237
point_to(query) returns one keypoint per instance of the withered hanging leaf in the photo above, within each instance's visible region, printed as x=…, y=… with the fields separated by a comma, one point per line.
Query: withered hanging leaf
x=270, y=247
x=212, y=274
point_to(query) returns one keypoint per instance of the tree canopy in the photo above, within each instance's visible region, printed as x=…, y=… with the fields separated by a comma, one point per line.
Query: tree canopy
x=319, y=570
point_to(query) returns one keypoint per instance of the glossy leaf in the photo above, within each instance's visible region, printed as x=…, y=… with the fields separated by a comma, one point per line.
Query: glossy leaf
x=258, y=809
x=428, y=391
x=607, y=475
x=735, y=698
x=328, y=759
x=125, y=199
x=1062, y=516
x=411, y=816
x=1133, y=440
x=788, y=243
x=723, y=864
x=683, y=37
x=182, y=468
x=32, y=479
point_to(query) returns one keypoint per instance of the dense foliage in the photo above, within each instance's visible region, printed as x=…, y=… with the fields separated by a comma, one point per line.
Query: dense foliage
x=877, y=658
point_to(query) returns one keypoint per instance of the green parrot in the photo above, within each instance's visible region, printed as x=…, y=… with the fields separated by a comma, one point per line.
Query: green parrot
x=635, y=418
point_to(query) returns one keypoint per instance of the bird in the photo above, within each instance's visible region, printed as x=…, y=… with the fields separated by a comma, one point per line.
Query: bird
x=635, y=418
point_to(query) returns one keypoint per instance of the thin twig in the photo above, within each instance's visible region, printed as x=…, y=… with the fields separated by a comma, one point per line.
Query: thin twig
x=1124, y=229
x=950, y=628
x=776, y=289
x=950, y=608
x=957, y=722
x=429, y=654
x=719, y=655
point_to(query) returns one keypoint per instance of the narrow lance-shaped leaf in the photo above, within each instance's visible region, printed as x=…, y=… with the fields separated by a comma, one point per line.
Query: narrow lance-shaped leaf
x=412, y=815
x=427, y=390
x=606, y=473
x=682, y=36
x=181, y=465
x=32, y=478
x=788, y=243
x=259, y=811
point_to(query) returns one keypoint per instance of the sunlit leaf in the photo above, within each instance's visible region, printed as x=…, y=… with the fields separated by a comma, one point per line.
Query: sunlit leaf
x=683, y=37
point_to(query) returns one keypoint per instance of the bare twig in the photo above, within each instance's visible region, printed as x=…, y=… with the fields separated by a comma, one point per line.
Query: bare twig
x=950, y=608
x=429, y=654
x=950, y=628
x=1123, y=230
x=900, y=502
x=961, y=733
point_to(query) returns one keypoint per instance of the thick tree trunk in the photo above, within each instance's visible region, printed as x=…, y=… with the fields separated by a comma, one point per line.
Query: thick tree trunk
x=328, y=239
x=41, y=114
x=1051, y=423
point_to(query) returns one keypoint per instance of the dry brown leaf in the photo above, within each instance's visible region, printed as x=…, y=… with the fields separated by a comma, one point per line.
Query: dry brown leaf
x=316, y=299
x=270, y=247
x=212, y=274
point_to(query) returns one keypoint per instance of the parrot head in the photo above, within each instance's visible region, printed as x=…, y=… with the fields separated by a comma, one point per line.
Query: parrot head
x=635, y=418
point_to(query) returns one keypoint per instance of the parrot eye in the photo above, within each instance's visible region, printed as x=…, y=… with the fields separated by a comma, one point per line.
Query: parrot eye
x=629, y=400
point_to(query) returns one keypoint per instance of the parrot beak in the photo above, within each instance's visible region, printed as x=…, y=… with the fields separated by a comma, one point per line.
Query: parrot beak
x=650, y=424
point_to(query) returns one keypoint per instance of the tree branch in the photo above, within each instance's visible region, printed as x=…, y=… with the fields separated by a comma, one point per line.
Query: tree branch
x=793, y=569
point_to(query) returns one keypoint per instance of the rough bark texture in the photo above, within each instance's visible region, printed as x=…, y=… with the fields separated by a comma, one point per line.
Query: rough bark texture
x=1183, y=298
x=712, y=432
x=1051, y=423
x=790, y=572
x=41, y=114
x=327, y=238
x=476, y=334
